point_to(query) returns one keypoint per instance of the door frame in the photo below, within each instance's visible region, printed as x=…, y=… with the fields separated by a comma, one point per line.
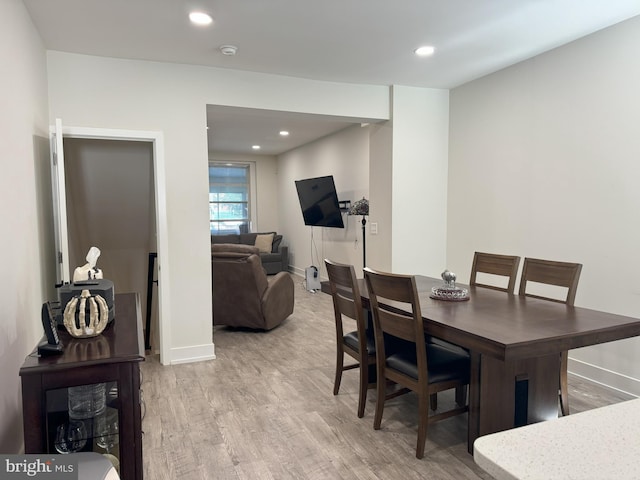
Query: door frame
x=162, y=229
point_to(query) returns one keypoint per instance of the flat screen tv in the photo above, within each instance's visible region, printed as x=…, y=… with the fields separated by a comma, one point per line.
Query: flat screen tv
x=319, y=202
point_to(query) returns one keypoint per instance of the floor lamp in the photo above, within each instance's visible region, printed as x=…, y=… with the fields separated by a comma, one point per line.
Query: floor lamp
x=361, y=207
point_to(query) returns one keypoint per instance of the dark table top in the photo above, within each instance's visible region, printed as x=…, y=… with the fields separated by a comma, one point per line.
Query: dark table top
x=509, y=326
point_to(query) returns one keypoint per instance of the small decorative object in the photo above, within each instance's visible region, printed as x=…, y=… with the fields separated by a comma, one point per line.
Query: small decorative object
x=88, y=271
x=361, y=207
x=86, y=315
x=86, y=401
x=449, y=291
x=449, y=278
x=71, y=437
x=107, y=430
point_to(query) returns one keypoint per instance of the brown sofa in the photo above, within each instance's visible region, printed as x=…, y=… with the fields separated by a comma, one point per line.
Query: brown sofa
x=275, y=260
x=243, y=295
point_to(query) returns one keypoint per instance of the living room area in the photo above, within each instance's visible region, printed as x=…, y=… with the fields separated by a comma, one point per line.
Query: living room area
x=536, y=159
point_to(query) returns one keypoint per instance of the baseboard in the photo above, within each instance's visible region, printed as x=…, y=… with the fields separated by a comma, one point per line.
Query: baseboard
x=296, y=271
x=608, y=378
x=196, y=353
x=300, y=272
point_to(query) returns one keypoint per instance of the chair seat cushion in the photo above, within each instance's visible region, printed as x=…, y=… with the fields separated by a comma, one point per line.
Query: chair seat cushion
x=450, y=346
x=443, y=364
x=351, y=339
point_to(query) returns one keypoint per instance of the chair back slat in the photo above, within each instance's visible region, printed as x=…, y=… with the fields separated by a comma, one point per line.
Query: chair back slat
x=398, y=325
x=560, y=274
x=346, y=305
x=494, y=264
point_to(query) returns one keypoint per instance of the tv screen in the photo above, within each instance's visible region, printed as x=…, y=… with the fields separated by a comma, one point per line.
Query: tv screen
x=319, y=202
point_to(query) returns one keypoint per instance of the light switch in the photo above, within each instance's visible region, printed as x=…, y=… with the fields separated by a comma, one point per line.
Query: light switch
x=374, y=228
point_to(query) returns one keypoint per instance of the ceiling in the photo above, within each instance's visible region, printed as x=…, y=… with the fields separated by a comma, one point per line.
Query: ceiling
x=353, y=41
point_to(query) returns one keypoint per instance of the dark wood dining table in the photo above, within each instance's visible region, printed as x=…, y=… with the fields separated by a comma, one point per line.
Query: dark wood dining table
x=514, y=343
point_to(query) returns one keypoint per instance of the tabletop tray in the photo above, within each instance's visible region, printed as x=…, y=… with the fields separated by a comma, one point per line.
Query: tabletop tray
x=449, y=294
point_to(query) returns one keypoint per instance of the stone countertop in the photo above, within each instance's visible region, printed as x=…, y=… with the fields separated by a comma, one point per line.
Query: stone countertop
x=598, y=444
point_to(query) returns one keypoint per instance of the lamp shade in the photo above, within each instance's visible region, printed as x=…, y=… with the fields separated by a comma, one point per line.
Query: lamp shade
x=360, y=207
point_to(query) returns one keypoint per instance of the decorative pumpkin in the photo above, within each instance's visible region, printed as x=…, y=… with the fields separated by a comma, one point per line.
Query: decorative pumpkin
x=86, y=315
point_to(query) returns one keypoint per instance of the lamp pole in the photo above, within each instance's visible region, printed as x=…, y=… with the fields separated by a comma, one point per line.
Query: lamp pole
x=364, y=243
x=361, y=207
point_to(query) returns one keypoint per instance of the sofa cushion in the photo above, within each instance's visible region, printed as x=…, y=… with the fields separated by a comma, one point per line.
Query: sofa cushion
x=248, y=238
x=264, y=242
x=276, y=243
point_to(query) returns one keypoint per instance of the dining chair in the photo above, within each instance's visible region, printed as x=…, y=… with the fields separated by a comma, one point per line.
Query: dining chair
x=494, y=265
x=497, y=265
x=358, y=344
x=420, y=367
x=560, y=274
x=489, y=263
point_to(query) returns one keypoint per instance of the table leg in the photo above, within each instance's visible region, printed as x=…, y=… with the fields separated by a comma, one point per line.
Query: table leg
x=504, y=394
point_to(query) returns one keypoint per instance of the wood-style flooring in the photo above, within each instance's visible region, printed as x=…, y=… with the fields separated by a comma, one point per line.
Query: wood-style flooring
x=264, y=409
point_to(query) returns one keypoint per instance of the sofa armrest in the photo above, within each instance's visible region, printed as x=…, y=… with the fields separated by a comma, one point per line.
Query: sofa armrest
x=277, y=301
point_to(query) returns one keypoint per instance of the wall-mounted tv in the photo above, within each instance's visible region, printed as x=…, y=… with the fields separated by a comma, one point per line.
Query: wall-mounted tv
x=319, y=202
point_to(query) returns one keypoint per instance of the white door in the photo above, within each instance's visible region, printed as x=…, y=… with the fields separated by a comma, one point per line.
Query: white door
x=59, y=204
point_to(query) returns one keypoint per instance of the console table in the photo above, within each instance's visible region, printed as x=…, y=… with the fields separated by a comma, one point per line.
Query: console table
x=112, y=358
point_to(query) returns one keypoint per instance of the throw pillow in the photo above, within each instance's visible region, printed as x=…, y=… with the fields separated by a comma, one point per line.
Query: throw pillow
x=277, y=239
x=263, y=242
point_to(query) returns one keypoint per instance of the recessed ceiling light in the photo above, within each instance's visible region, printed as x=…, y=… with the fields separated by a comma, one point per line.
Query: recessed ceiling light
x=200, y=18
x=284, y=133
x=256, y=147
x=228, y=49
x=425, y=51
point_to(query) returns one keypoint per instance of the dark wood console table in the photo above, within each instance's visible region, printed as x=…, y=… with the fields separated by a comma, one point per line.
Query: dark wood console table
x=112, y=358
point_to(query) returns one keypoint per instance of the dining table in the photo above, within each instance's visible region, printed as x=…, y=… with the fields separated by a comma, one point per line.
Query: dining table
x=514, y=342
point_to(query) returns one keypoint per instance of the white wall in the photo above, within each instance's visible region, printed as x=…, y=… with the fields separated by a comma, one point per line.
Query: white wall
x=28, y=268
x=381, y=195
x=544, y=162
x=401, y=166
x=100, y=92
x=345, y=155
x=419, y=180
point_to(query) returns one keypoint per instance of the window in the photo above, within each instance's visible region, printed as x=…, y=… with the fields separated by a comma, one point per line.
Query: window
x=229, y=198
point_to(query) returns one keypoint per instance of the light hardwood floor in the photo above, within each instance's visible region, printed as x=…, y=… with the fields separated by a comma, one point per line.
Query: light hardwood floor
x=264, y=409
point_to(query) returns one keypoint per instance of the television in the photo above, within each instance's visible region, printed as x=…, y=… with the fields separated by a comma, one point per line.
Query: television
x=319, y=202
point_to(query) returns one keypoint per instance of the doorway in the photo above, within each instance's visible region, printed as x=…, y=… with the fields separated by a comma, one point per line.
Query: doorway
x=115, y=200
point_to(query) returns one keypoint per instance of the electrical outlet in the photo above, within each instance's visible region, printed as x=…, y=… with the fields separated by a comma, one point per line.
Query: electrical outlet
x=374, y=228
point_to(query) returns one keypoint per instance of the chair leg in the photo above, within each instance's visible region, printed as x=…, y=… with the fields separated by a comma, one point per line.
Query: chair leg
x=422, y=425
x=433, y=400
x=380, y=398
x=339, y=368
x=364, y=385
x=564, y=387
x=461, y=395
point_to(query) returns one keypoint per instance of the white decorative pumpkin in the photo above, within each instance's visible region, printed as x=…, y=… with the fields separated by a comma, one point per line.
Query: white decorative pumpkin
x=86, y=315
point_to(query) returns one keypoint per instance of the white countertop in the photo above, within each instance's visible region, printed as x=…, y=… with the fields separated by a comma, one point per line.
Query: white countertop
x=599, y=444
